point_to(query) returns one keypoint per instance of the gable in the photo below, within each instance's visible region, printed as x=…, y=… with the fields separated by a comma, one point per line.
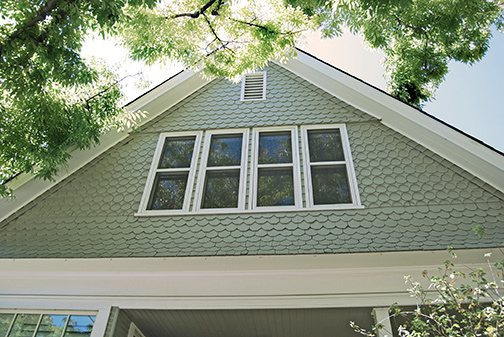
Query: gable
x=412, y=198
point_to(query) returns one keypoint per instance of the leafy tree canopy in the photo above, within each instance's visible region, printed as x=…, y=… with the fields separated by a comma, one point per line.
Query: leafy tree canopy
x=418, y=37
x=53, y=100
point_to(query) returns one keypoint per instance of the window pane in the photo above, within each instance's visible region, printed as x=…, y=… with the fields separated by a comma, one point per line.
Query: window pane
x=225, y=150
x=169, y=191
x=330, y=185
x=221, y=189
x=5, y=321
x=325, y=145
x=177, y=152
x=79, y=326
x=51, y=325
x=275, y=187
x=24, y=325
x=275, y=147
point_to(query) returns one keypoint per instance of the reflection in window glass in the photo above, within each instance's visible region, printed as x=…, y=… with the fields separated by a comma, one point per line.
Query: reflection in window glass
x=225, y=150
x=177, y=152
x=325, y=145
x=275, y=147
x=24, y=325
x=5, y=322
x=169, y=191
x=330, y=185
x=275, y=187
x=221, y=189
x=79, y=326
x=51, y=325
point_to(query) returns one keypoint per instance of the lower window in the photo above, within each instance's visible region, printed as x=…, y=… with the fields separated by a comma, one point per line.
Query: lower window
x=45, y=325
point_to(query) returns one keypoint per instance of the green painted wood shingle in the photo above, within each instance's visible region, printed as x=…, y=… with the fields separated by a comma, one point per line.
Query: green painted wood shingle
x=413, y=199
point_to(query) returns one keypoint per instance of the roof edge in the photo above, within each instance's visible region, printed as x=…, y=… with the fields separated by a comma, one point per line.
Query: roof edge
x=450, y=143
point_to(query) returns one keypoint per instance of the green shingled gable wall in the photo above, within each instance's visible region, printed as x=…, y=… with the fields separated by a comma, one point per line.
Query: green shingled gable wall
x=413, y=198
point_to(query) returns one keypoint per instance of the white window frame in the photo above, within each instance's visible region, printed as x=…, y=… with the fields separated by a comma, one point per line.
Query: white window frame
x=41, y=313
x=242, y=95
x=298, y=202
x=198, y=199
x=352, y=180
x=149, y=185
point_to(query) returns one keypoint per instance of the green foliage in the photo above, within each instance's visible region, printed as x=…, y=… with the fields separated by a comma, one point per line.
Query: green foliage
x=418, y=37
x=52, y=100
x=220, y=38
x=454, y=304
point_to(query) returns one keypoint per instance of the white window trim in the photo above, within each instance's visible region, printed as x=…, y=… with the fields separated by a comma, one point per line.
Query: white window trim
x=298, y=203
x=198, y=198
x=41, y=313
x=242, y=95
x=352, y=180
x=153, y=170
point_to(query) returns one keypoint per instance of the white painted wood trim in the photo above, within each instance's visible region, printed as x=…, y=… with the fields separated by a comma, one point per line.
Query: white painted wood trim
x=242, y=93
x=298, y=202
x=134, y=331
x=352, y=179
x=154, y=170
x=100, y=323
x=154, y=102
x=483, y=162
x=203, y=169
x=381, y=316
x=290, y=281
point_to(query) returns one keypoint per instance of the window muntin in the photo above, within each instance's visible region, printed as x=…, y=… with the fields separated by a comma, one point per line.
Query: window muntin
x=329, y=175
x=46, y=325
x=222, y=179
x=276, y=181
x=171, y=177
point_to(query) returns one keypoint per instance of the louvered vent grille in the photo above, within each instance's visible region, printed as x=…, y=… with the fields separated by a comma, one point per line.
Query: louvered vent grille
x=253, y=87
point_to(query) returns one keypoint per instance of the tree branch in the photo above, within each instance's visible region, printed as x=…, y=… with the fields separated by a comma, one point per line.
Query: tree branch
x=224, y=45
x=41, y=15
x=196, y=14
x=109, y=87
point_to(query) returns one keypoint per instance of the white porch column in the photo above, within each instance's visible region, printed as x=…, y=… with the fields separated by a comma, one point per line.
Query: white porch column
x=100, y=324
x=381, y=316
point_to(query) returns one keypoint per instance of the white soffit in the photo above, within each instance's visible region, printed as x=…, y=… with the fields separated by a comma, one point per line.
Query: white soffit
x=154, y=102
x=483, y=162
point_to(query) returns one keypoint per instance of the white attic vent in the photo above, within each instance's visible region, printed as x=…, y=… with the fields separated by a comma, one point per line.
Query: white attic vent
x=253, y=87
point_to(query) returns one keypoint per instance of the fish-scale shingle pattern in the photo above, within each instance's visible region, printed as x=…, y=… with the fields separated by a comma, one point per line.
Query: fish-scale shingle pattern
x=413, y=198
x=289, y=101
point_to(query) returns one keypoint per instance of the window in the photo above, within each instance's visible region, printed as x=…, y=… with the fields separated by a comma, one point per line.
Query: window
x=172, y=173
x=50, y=324
x=329, y=174
x=223, y=170
x=276, y=181
x=253, y=87
x=268, y=177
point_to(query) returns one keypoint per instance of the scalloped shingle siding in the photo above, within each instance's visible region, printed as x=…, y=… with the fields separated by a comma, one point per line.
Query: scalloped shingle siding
x=414, y=199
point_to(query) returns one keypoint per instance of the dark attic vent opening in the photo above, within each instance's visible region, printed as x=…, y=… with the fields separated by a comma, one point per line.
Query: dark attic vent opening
x=253, y=87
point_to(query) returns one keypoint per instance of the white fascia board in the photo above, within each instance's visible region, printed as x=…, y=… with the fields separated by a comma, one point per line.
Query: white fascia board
x=155, y=102
x=483, y=162
x=328, y=280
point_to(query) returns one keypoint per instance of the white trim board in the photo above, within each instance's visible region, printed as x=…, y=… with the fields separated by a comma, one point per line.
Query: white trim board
x=330, y=280
x=452, y=145
x=154, y=102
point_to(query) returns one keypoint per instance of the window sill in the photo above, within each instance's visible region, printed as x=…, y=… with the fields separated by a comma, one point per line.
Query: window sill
x=249, y=211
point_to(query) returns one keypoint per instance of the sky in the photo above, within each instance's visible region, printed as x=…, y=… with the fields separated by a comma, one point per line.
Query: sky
x=470, y=98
